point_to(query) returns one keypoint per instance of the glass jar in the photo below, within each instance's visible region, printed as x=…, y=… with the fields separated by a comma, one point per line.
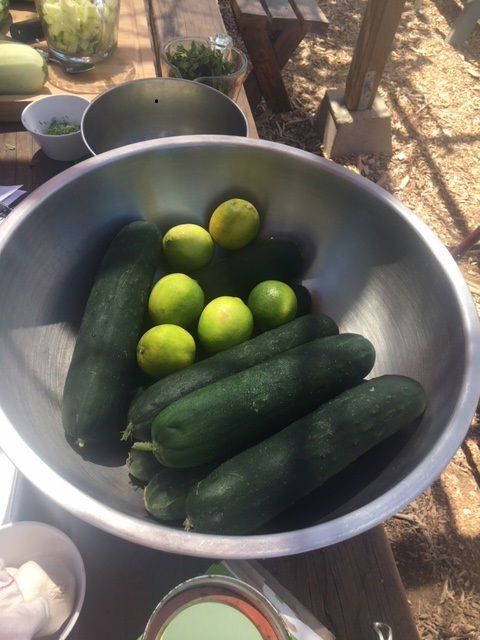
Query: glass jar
x=213, y=61
x=80, y=30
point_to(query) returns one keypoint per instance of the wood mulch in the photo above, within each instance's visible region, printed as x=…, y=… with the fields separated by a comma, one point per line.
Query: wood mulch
x=433, y=93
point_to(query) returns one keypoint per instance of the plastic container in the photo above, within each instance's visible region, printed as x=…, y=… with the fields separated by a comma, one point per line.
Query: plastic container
x=230, y=83
x=23, y=541
x=38, y=116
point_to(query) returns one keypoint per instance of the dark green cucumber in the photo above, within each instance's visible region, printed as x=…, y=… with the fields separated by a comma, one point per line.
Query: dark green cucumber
x=146, y=406
x=251, y=488
x=166, y=493
x=229, y=415
x=142, y=465
x=103, y=371
x=272, y=258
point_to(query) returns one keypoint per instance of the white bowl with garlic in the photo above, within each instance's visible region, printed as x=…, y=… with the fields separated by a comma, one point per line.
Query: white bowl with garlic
x=42, y=582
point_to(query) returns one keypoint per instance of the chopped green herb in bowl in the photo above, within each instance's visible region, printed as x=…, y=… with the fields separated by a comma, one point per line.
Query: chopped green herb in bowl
x=61, y=128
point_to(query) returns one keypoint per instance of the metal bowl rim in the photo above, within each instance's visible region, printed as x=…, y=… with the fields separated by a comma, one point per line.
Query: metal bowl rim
x=161, y=80
x=157, y=536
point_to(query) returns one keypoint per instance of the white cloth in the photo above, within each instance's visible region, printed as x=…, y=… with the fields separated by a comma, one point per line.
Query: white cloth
x=19, y=620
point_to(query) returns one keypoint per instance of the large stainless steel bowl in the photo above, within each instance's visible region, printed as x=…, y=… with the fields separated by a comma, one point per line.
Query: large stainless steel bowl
x=374, y=267
x=157, y=108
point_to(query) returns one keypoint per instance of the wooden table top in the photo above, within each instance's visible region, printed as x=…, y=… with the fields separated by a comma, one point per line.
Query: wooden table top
x=351, y=584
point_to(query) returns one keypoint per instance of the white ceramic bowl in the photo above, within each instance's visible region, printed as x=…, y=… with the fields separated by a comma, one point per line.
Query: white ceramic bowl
x=38, y=115
x=23, y=541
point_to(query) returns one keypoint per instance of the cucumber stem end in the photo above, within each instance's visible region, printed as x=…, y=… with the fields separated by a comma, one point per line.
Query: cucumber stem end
x=127, y=433
x=143, y=446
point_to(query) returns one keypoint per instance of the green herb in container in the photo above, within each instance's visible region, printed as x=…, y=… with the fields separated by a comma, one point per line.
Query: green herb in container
x=61, y=128
x=199, y=60
x=212, y=61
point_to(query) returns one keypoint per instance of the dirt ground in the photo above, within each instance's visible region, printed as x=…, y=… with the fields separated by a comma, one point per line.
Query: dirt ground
x=433, y=93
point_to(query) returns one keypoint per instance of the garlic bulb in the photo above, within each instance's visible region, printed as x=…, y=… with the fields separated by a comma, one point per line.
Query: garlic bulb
x=48, y=578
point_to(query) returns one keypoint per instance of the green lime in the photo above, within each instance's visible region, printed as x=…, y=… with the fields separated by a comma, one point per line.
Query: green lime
x=272, y=304
x=234, y=224
x=165, y=349
x=225, y=322
x=187, y=247
x=176, y=299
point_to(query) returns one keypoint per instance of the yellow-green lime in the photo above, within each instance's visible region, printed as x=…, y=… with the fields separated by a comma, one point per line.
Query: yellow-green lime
x=187, y=247
x=164, y=349
x=225, y=322
x=176, y=299
x=234, y=224
x=272, y=304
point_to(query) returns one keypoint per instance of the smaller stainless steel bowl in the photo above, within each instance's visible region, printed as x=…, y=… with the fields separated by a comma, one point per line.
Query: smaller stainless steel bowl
x=158, y=108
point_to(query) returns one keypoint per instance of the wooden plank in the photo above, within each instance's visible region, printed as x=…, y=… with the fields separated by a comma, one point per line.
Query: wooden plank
x=265, y=79
x=372, y=49
x=255, y=574
x=21, y=161
x=133, y=58
x=350, y=585
x=287, y=41
x=245, y=11
x=265, y=65
x=310, y=14
x=177, y=18
x=249, y=8
x=280, y=13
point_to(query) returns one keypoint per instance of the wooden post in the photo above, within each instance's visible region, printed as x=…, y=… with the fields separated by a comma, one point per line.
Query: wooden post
x=464, y=24
x=373, y=47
